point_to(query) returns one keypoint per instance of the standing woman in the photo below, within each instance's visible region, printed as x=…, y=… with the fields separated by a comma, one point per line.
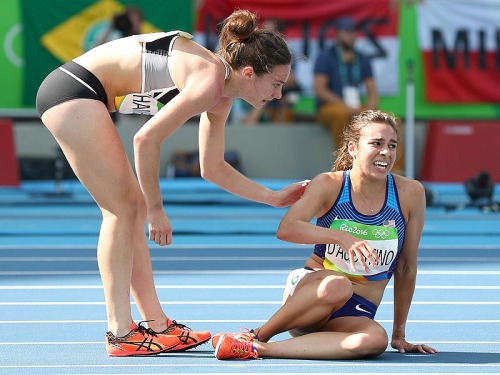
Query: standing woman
x=74, y=103
x=368, y=228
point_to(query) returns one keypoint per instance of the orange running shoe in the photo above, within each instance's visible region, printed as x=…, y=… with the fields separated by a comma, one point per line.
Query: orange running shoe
x=139, y=341
x=187, y=337
x=245, y=334
x=229, y=347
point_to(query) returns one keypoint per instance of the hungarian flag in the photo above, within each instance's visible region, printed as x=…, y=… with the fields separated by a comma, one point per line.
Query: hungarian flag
x=460, y=44
x=310, y=26
x=63, y=30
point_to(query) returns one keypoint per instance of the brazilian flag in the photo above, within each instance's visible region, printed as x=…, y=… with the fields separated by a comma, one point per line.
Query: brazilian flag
x=56, y=31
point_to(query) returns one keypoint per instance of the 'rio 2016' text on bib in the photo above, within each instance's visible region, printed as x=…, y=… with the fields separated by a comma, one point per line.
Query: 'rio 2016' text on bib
x=384, y=239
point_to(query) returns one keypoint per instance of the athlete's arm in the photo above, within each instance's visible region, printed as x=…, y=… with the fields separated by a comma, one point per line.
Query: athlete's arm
x=296, y=226
x=215, y=169
x=200, y=91
x=322, y=91
x=412, y=195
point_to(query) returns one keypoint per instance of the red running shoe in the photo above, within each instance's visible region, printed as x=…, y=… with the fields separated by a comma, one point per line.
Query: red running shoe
x=245, y=334
x=229, y=347
x=139, y=341
x=187, y=337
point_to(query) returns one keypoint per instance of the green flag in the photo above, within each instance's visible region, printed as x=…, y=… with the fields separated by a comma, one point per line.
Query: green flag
x=11, y=56
x=56, y=31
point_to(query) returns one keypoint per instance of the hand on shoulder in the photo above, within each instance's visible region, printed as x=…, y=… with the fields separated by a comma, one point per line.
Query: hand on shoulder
x=324, y=188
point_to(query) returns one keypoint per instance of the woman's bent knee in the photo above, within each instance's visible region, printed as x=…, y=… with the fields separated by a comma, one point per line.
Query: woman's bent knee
x=128, y=206
x=335, y=289
x=373, y=343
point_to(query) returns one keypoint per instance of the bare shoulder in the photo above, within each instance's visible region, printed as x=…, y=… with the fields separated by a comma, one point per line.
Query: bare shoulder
x=411, y=194
x=327, y=180
x=324, y=188
x=189, y=45
x=196, y=58
x=195, y=67
x=407, y=185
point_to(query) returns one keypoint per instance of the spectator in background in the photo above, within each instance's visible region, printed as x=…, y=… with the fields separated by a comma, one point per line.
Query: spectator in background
x=340, y=74
x=278, y=110
x=123, y=24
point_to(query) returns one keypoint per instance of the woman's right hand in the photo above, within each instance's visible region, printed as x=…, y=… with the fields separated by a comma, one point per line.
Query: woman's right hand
x=359, y=250
x=160, y=230
x=290, y=194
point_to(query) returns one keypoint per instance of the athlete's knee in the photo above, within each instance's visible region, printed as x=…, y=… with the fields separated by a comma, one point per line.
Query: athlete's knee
x=334, y=289
x=128, y=205
x=372, y=343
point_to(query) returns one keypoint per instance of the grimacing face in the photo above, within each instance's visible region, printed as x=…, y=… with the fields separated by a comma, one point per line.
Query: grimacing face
x=376, y=149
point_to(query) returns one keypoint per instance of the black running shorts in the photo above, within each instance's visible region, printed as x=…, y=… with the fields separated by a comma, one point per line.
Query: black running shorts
x=68, y=82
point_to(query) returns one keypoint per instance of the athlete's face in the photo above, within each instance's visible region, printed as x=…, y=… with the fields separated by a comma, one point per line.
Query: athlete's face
x=264, y=88
x=375, y=152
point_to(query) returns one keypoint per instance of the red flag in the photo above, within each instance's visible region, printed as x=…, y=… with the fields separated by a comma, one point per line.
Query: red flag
x=460, y=44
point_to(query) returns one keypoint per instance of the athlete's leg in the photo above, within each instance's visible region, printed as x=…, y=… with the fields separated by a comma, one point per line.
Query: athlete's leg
x=89, y=139
x=143, y=286
x=308, y=309
x=340, y=338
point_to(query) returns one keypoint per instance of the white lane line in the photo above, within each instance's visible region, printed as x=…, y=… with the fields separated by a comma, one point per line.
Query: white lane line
x=83, y=287
x=102, y=342
x=64, y=247
x=91, y=303
x=451, y=259
x=335, y=364
x=170, y=259
x=230, y=272
x=415, y=321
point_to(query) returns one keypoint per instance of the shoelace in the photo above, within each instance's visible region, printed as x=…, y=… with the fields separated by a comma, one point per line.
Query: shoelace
x=146, y=330
x=174, y=324
x=242, y=347
x=246, y=334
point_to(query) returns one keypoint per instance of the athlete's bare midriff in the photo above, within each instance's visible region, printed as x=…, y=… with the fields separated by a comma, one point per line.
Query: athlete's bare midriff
x=117, y=65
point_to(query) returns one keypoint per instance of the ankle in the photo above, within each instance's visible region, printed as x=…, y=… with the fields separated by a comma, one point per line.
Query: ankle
x=260, y=347
x=158, y=325
x=258, y=336
x=120, y=330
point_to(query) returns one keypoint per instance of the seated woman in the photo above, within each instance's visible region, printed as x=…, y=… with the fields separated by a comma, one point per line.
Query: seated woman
x=368, y=228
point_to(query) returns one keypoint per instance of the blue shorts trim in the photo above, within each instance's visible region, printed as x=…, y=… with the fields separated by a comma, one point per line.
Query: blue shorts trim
x=356, y=306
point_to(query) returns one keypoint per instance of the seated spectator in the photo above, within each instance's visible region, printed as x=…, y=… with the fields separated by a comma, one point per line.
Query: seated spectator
x=340, y=74
x=124, y=24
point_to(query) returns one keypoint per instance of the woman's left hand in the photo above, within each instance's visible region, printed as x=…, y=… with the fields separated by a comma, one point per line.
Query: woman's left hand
x=403, y=346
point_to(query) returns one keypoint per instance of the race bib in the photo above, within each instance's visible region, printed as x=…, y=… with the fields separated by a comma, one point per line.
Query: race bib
x=137, y=104
x=352, y=96
x=384, y=239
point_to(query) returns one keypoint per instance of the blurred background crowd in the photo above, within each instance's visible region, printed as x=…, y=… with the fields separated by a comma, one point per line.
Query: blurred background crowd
x=433, y=63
